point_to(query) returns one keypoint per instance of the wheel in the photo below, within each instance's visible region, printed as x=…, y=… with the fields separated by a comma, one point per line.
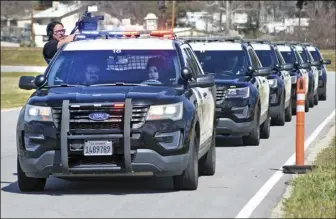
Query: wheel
x=265, y=128
x=254, y=137
x=306, y=104
x=280, y=119
x=316, y=99
x=311, y=98
x=323, y=96
x=189, y=178
x=207, y=164
x=29, y=184
x=288, y=112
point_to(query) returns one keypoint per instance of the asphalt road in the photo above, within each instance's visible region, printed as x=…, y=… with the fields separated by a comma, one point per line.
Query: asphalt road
x=241, y=172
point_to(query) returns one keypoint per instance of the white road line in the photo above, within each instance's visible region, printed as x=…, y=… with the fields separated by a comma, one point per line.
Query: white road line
x=253, y=203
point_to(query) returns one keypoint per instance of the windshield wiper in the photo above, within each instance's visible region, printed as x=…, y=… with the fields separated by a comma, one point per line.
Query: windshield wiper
x=118, y=84
x=64, y=85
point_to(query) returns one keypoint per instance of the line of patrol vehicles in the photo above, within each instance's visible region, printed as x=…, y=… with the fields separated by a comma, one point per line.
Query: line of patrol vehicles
x=130, y=103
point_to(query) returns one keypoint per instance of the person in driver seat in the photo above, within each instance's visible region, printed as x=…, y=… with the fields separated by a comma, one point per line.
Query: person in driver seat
x=91, y=74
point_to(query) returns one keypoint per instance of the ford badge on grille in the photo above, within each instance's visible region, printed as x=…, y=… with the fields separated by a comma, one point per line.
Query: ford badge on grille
x=99, y=116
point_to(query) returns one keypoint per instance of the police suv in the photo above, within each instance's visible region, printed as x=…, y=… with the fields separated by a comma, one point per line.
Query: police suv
x=118, y=104
x=322, y=83
x=290, y=55
x=280, y=81
x=242, y=102
x=313, y=72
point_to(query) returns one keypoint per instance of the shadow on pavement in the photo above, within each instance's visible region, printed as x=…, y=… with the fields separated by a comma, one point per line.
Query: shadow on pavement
x=222, y=141
x=109, y=186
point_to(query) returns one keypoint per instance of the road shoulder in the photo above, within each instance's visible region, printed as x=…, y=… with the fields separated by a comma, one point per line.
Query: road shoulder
x=321, y=143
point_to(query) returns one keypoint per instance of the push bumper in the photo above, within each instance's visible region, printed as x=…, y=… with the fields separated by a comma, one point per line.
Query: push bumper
x=131, y=162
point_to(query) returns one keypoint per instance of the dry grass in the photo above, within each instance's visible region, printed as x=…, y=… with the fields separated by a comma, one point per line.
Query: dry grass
x=11, y=94
x=314, y=194
x=22, y=56
x=330, y=54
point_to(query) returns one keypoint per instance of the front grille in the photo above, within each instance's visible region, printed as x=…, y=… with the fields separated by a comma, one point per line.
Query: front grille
x=220, y=94
x=79, y=117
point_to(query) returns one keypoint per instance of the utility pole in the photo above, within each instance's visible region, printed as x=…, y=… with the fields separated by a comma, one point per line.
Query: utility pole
x=32, y=34
x=161, y=6
x=228, y=16
x=173, y=15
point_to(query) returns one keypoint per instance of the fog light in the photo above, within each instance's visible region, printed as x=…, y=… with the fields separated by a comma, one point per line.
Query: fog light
x=169, y=140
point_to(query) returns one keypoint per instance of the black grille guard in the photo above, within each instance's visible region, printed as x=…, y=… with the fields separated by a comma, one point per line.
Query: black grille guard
x=126, y=135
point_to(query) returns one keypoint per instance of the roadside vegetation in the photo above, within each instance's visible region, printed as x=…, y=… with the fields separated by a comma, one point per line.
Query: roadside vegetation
x=11, y=94
x=314, y=194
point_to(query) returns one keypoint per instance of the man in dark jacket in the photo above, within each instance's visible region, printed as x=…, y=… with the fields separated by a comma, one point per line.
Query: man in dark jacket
x=57, y=38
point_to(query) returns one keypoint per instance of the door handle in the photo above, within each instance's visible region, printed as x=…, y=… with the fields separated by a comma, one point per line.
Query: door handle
x=205, y=94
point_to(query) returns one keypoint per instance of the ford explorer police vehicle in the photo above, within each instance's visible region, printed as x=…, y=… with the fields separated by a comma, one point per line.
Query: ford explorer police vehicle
x=313, y=71
x=300, y=70
x=118, y=104
x=280, y=81
x=243, y=92
x=322, y=84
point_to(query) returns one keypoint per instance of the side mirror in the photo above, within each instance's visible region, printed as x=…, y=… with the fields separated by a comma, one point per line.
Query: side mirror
x=287, y=67
x=277, y=66
x=263, y=71
x=186, y=73
x=251, y=70
x=304, y=65
x=203, y=81
x=327, y=61
x=40, y=80
x=296, y=64
x=315, y=63
x=27, y=82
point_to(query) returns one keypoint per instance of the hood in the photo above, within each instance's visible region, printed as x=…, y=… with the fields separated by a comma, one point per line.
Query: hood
x=231, y=80
x=138, y=94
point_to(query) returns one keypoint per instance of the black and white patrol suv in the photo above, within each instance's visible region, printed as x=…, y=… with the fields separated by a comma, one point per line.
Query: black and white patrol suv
x=118, y=106
x=243, y=92
x=279, y=81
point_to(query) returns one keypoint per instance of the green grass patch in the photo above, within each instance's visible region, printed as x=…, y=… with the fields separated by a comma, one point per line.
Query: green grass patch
x=330, y=54
x=314, y=194
x=22, y=56
x=11, y=94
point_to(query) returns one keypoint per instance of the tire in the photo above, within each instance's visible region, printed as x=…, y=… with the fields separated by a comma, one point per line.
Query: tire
x=207, y=164
x=254, y=137
x=265, y=128
x=323, y=95
x=311, y=99
x=189, y=178
x=306, y=104
x=29, y=184
x=316, y=99
x=280, y=119
x=288, y=112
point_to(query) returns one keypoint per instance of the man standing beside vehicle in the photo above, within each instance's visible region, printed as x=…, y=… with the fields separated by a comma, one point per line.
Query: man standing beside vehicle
x=57, y=38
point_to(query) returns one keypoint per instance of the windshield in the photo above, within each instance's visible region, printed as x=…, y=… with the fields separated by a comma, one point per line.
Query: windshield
x=316, y=55
x=288, y=56
x=223, y=62
x=107, y=67
x=303, y=55
x=267, y=58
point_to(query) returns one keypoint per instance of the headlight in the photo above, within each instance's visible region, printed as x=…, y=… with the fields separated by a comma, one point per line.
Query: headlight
x=37, y=113
x=243, y=92
x=273, y=82
x=294, y=79
x=169, y=111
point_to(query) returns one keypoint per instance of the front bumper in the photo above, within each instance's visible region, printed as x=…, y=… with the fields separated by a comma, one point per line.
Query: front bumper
x=227, y=126
x=275, y=100
x=53, y=153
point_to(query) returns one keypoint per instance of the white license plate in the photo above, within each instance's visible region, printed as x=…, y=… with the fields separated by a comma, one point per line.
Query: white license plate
x=98, y=148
